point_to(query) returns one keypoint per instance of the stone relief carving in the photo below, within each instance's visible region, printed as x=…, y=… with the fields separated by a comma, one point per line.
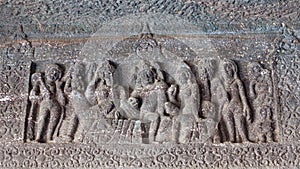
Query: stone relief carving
x=261, y=93
x=51, y=106
x=191, y=102
x=103, y=106
x=235, y=109
x=189, y=98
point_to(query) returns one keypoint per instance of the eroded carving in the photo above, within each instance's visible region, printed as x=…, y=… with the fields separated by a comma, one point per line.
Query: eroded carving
x=71, y=106
x=51, y=107
x=233, y=106
x=261, y=93
x=151, y=102
x=150, y=90
x=189, y=98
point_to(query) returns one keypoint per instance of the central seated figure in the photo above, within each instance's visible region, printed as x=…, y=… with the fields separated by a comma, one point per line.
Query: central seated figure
x=148, y=97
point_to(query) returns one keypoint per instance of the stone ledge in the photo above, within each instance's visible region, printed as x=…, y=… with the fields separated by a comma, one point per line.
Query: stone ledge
x=14, y=155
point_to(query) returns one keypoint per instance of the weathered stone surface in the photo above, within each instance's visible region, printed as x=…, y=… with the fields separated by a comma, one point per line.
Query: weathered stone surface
x=149, y=84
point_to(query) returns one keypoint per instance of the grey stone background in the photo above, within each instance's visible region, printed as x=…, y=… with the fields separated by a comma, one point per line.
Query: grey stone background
x=265, y=30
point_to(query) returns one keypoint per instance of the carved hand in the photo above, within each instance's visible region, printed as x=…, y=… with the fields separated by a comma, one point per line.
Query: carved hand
x=133, y=102
x=68, y=87
x=58, y=84
x=91, y=70
x=172, y=91
x=246, y=111
x=197, y=118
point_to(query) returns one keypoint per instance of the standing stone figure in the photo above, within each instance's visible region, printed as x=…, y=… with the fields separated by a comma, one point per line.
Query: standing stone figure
x=35, y=98
x=51, y=108
x=189, y=97
x=236, y=112
x=261, y=91
x=260, y=85
x=264, y=125
x=204, y=84
x=205, y=70
x=220, y=99
x=76, y=102
x=150, y=91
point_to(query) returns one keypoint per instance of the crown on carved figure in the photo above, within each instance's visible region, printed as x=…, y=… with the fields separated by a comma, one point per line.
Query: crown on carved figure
x=106, y=66
x=146, y=42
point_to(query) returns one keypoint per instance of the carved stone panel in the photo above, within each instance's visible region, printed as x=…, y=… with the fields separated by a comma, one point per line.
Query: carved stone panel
x=150, y=85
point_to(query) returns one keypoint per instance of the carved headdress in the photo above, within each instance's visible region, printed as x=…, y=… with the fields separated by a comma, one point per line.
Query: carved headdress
x=104, y=72
x=230, y=63
x=144, y=69
x=254, y=69
x=146, y=44
x=50, y=67
x=184, y=68
x=106, y=66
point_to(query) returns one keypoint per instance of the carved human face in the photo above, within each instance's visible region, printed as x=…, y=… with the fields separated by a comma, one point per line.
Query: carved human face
x=184, y=77
x=208, y=109
x=146, y=45
x=107, y=76
x=147, y=77
x=36, y=77
x=229, y=70
x=102, y=94
x=257, y=70
x=53, y=74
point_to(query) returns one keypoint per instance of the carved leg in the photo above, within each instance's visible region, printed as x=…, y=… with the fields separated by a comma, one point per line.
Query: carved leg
x=154, y=122
x=185, y=133
x=222, y=131
x=79, y=132
x=68, y=128
x=83, y=126
x=175, y=129
x=240, y=125
x=229, y=123
x=72, y=126
x=30, y=130
x=186, y=124
x=31, y=121
x=42, y=124
x=55, y=116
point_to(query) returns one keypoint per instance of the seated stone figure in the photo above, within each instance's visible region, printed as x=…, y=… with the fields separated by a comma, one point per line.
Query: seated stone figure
x=209, y=132
x=148, y=97
x=102, y=77
x=97, y=114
